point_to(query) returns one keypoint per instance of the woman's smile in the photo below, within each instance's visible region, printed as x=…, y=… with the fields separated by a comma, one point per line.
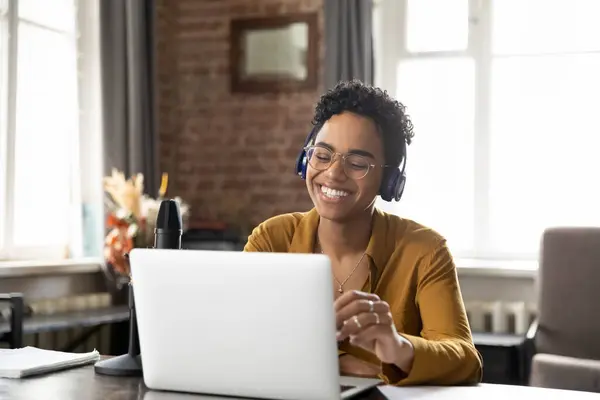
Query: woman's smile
x=332, y=195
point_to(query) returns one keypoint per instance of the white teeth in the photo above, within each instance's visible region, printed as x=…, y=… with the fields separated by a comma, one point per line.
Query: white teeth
x=333, y=193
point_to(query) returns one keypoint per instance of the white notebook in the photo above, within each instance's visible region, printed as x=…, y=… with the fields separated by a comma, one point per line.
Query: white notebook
x=27, y=361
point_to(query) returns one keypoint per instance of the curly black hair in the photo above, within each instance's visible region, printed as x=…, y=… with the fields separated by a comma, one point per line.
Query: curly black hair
x=388, y=114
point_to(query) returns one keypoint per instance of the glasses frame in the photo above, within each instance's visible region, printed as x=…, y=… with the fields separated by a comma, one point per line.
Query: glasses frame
x=343, y=156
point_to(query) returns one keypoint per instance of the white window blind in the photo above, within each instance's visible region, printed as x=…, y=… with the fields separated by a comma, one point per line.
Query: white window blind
x=503, y=95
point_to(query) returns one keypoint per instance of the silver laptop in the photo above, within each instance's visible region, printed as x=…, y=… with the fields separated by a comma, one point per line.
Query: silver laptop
x=229, y=323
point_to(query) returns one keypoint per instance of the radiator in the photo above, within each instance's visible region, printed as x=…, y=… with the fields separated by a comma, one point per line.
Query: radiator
x=500, y=317
x=58, y=340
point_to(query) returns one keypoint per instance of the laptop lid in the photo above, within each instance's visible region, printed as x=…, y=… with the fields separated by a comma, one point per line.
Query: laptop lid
x=236, y=323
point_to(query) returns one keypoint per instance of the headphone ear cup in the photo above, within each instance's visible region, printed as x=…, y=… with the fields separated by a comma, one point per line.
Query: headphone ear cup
x=302, y=161
x=301, y=164
x=392, y=185
x=303, y=167
x=399, y=188
x=385, y=190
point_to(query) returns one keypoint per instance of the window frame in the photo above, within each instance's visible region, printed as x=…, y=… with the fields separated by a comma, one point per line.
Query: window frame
x=8, y=250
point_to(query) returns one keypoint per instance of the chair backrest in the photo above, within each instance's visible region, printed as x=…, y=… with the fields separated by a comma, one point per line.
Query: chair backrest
x=569, y=292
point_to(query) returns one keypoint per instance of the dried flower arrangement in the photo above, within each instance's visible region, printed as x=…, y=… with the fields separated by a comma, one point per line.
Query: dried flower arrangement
x=131, y=218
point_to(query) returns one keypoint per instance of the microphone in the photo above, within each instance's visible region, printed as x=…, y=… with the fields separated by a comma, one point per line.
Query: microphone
x=167, y=235
x=169, y=228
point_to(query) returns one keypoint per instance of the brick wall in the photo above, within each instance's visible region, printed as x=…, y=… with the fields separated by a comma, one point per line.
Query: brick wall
x=231, y=156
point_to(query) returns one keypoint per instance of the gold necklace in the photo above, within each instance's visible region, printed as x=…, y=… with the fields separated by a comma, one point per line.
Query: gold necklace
x=341, y=285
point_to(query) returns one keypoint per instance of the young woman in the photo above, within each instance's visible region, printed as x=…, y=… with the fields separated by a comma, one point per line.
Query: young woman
x=399, y=309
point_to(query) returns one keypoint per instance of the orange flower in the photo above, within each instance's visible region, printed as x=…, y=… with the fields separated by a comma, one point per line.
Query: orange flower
x=113, y=222
x=116, y=245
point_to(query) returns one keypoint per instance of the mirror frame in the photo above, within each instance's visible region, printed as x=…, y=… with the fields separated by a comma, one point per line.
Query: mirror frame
x=238, y=27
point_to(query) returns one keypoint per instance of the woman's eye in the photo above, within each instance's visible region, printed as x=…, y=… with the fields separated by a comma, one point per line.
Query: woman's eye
x=358, y=166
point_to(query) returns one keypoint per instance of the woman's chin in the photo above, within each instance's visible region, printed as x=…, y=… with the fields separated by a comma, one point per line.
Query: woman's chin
x=333, y=211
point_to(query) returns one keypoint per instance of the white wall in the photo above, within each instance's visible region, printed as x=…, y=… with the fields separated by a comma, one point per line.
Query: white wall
x=491, y=288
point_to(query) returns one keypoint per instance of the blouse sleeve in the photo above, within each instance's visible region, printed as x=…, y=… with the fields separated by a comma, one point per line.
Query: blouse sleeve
x=444, y=353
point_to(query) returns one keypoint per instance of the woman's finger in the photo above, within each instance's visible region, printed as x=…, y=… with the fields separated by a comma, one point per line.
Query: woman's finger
x=360, y=322
x=358, y=307
x=352, y=296
x=366, y=337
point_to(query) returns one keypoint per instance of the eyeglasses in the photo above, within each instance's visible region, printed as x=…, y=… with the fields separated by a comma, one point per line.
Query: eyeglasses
x=355, y=165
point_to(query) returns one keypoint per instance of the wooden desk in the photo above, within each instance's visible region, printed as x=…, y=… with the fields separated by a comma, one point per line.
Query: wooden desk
x=83, y=384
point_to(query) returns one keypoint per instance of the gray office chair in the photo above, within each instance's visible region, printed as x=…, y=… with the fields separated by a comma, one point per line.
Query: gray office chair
x=567, y=338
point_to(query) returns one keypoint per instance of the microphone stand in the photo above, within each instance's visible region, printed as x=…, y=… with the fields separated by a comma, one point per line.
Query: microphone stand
x=167, y=235
x=129, y=364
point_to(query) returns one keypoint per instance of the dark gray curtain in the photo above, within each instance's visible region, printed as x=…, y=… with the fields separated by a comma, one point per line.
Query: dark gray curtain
x=348, y=41
x=127, y=40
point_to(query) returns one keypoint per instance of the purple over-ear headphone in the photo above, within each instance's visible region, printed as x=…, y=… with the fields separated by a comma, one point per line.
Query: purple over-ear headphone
x=394, y=179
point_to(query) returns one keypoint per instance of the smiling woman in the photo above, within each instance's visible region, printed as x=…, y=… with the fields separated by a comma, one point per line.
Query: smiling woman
x=399, y=309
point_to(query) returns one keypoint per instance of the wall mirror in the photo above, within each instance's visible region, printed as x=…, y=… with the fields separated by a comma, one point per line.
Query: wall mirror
x=274, y=54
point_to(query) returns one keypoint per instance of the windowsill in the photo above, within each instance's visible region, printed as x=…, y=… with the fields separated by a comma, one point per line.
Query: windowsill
x=466, y=267
x=497, y=268
x=28, y=268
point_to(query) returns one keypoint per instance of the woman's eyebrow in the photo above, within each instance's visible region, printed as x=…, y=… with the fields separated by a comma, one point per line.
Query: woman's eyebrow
x=361, y=153
x=351, y=151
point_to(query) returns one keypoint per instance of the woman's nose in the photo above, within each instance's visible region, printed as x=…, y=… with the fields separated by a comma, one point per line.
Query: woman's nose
x=336, y=169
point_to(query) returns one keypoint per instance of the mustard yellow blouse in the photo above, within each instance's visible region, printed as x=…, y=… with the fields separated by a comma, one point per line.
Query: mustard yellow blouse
x=413, y=270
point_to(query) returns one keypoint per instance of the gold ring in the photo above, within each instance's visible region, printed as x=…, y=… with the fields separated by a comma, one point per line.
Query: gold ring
x=357, y=322
x=371, y=306
x=376, y=318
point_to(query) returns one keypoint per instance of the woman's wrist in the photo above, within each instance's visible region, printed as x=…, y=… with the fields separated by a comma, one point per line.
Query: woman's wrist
x=404, y=354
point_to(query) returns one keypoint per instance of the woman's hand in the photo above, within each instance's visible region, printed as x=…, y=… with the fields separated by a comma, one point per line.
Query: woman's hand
x=367, y=322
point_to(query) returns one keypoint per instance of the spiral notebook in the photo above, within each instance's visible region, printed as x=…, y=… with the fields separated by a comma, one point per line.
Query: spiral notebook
x=28, y=361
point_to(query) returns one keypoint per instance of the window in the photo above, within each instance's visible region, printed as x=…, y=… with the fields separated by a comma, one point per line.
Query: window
x=40, y=202
x=3, y=112
x=503, y=95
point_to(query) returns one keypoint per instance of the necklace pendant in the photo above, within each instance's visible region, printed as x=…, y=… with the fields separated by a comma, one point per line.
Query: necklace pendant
x=341, y=290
